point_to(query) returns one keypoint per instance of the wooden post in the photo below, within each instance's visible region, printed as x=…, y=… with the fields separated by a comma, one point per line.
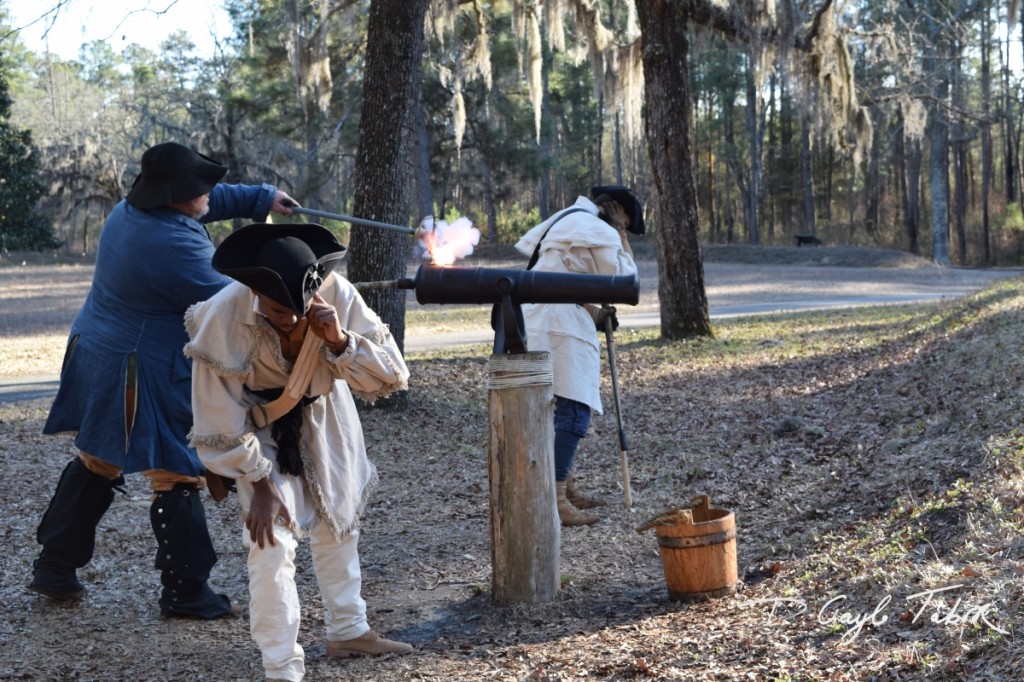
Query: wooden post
x=525, y=532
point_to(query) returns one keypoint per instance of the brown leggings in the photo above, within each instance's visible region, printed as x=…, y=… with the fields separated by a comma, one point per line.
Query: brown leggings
x=160, y=480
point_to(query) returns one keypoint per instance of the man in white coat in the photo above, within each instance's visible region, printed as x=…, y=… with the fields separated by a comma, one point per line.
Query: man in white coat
x=590, y=238
x=277, y=356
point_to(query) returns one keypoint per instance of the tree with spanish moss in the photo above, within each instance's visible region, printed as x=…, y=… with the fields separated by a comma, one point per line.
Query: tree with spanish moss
x=394, y=51
x=810, y=45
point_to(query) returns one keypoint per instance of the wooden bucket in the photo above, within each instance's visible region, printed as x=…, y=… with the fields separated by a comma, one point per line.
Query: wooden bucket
x=698, y=552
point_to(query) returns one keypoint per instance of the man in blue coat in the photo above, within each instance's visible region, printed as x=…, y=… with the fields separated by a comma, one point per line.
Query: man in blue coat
x=125, y=386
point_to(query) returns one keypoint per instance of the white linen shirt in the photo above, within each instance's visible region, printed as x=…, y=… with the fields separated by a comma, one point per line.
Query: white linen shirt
x=233, y=347
x=580, y=243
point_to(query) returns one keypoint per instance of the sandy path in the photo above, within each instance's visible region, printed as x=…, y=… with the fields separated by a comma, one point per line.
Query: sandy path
x=44, y=300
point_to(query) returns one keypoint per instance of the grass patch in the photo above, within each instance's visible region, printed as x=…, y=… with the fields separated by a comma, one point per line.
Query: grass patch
x=874, y=459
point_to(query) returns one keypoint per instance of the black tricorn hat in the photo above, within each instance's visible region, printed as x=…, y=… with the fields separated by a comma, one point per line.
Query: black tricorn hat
x=628, y=200
x=173, y=173
x=287, y=263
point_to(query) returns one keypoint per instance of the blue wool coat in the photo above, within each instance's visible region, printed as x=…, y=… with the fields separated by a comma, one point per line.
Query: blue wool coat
x=151, y=265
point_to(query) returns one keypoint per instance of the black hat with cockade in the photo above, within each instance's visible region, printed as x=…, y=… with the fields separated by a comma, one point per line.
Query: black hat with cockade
x=625, y=197
x=171, y=174
x=287, y=263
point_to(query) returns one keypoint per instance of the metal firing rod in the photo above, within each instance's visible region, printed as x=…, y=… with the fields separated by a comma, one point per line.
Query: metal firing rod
x=351, y=219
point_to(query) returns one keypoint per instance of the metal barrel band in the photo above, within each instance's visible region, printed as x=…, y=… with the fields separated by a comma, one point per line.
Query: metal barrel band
x=701, y=541
x=702, y=596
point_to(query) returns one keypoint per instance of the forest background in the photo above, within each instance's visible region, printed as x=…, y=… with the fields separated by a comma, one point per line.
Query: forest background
x=869, y=455
x=886, y=124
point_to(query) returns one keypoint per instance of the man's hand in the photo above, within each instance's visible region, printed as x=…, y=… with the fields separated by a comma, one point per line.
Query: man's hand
x=267, y=508
x=624, y=238
x=600, y=314
x=283, y=203
x=608, y=315
x=323, y=321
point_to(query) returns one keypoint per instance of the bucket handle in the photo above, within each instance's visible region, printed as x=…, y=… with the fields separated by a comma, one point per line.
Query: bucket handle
x=669, y=517
x=672, y=517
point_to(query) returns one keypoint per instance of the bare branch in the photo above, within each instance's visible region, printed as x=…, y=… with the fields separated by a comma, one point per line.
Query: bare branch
x=49, y=18
x=728, y=21
x=813, y=32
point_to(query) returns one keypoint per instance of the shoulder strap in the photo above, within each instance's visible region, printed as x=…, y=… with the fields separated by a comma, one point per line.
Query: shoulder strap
x=295, y=389
x=536, y=250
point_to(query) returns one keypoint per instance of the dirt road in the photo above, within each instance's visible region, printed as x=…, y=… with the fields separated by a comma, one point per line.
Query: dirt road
x=40, y=300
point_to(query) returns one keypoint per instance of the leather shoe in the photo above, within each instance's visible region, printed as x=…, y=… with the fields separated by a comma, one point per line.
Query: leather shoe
x=233, y=611
x=57, y=594
x=56, y=583
x=367, y=644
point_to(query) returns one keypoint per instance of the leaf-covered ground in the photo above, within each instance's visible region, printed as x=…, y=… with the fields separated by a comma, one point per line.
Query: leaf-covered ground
x=874, y=460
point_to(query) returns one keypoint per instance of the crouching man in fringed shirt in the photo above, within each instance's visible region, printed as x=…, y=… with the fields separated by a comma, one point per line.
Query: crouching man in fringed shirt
x=277, y=356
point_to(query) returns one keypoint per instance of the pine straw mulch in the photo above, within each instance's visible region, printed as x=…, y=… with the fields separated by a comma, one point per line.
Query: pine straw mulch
x=872, y=458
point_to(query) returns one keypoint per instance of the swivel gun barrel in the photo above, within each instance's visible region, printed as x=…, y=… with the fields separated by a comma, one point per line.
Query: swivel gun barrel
x=445, y=284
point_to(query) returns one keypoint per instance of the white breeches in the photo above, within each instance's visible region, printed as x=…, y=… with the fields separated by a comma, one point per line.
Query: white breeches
x=274, y=610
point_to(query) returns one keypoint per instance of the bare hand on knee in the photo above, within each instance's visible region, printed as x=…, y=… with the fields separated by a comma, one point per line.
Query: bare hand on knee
x=266, y=509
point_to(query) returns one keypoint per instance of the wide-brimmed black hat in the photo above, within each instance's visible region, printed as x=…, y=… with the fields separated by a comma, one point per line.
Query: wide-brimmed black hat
x=171, y=174
x=287, y=263
x=628, y=200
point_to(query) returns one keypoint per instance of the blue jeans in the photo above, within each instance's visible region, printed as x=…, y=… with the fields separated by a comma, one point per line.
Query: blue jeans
x=572, y=419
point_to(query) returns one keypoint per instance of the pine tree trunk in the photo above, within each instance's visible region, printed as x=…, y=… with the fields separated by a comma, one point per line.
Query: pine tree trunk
x=830, y=172
x=712, y=161
x=424, y=189
x=1012, y=166
x=754, y=136
x=986, y=137
x=807, y=177
x=544, y=143
x=618, y=149
x=771, y=184
x=937, y=132
x=912, y=192
x=938, y=166
x=960, y=199
x=669, y=129
x=732, y=172
x=786, y=178
x=872, y=216
x=490, y=210
x=959, y=149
